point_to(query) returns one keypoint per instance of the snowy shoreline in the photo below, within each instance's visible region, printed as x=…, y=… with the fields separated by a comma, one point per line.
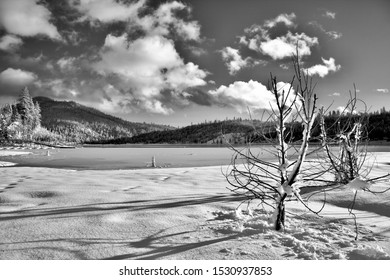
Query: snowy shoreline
x=7, y=153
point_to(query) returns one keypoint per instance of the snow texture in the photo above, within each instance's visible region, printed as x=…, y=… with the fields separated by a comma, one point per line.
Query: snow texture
x=177, y=213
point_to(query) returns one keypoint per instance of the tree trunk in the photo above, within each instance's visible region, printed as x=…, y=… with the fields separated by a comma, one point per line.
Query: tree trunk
x=280, y=218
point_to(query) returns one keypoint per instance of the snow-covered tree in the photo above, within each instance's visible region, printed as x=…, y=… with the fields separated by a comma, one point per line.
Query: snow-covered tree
x=270, y=182
x=346, y=148
x=18, y=122
x=346, y=154
x=6, y=113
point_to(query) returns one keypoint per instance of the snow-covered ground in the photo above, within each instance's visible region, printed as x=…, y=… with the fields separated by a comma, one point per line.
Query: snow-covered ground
x=7, y=153
x=177, y=213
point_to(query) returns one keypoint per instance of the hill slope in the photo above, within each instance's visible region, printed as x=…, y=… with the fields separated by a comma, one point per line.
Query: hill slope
x=218, y=132
x=78, y=123
x=240, y=131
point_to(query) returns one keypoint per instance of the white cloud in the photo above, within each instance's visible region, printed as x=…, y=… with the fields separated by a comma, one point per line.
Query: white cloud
x=189, y=30
x=335, y=94
x=197, y=51
x=253, y=30
x=142, y=59
x=10, y=43
x=17, y=77
x=164, y=20
x=115, y=101
x=146, y=67
x=343, y=110
x=66, y=63
x=329, y=14
x=332, y=34
x=287, y=19
x=107, y=11
x=323, y=70
x=165, y=17
x=156, y=106
x=149, y=72
x=110, y=104
x=185, y=76
x=234, y=61
x=259, y=38
x=285, y=46
x=383, y=90
x=27, y=18
x=60, y=88
x=241, y=95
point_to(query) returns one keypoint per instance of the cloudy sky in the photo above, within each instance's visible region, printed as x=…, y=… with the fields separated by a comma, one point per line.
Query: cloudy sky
x=182, y=62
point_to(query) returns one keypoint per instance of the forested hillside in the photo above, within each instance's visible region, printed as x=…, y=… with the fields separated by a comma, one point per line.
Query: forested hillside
x=218, y=132
x=240, y=131
x=77, y=123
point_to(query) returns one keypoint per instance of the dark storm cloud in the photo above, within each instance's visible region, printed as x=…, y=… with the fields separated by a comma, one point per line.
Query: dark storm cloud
x=201, y=97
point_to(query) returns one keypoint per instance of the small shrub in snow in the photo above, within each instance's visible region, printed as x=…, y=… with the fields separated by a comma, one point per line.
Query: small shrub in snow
x=346, y=149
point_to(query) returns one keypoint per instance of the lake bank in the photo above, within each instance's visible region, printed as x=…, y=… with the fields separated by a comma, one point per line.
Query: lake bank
x=137, y=156
x=7, y=153
x=97, y=158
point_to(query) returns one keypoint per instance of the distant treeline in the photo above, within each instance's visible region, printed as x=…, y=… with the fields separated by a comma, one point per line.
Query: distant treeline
x=212, y=133
x=240, y=131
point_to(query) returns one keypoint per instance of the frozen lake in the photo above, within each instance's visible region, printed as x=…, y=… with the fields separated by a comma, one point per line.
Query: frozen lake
x=138, y=156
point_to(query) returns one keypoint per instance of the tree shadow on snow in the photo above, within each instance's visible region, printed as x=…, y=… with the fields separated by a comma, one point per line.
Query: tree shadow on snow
x=150, y=243
x=132, y=206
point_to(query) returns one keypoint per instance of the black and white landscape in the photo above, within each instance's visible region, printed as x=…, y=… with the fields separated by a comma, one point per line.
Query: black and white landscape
x=194, y=129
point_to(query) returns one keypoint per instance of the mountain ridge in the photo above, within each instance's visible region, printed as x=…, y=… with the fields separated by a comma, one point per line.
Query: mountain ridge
x=79, y=123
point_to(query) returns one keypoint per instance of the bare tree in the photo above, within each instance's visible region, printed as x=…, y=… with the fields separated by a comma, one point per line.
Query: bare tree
x=340, y=154
x=273, y=182
x=346, y=149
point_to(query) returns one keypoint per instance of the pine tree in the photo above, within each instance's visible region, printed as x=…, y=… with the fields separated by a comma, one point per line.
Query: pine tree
x=25, y=107
x=15, y=116
x=36, y=116
x=30, y=113
x=6, y=113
